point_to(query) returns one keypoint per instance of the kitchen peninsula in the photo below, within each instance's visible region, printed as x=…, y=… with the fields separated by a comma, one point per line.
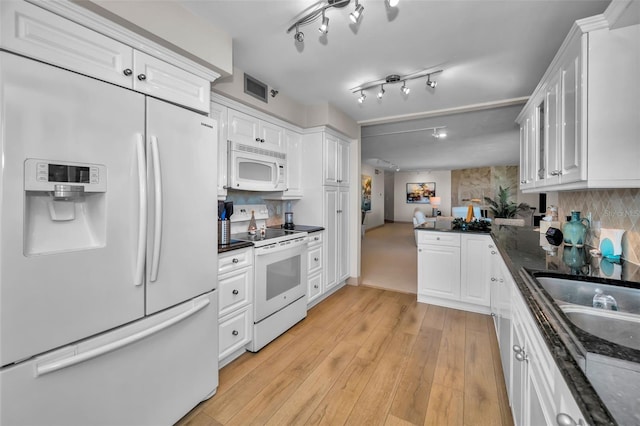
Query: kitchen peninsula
x=550, y=373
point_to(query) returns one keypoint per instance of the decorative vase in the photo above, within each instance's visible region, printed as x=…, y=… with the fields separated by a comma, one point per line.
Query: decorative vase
x=575, y=231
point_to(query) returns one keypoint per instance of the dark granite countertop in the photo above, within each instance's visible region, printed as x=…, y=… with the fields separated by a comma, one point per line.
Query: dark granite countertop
x=302, y=228
x=234, y=245
x=524, y=248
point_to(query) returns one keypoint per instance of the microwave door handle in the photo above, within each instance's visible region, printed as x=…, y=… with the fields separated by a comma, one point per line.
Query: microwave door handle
x=142, y=210
x=277, y=175
x=157, y=233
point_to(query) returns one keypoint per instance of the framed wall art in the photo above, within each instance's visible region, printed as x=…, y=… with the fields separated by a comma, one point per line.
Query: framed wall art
x=420, y=192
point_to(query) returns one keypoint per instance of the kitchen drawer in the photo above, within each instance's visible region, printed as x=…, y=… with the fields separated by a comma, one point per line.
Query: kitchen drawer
x=234, y=260
x=314, y=259
x=235, y=331
x=442, y=238
x=235, y=289
x=315, y=239
x=315, y=287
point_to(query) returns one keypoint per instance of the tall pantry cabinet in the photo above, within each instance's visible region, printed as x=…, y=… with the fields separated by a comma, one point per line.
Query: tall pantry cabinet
x=325, y=179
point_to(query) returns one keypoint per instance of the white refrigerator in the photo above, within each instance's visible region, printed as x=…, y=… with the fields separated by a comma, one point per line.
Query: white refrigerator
x=108, y=252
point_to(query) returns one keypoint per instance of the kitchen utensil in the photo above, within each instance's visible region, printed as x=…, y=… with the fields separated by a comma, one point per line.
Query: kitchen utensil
x=224, y=231
x=228, y=208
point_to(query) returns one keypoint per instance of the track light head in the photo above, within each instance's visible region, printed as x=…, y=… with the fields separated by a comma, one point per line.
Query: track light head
x=356, y=14
x=404, y=89
x=431, y=83
x=381, y=92
x=298, y=36
x=362, y=97
x=324, y=27
x=393, y=3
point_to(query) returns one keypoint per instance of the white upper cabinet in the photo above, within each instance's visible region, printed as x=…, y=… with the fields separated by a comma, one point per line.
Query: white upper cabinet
x=294, y=165
x=165, y=81
x=336, y=161
x=35, y=32
x=219, y=113
x=249, y=130
x=582, y=118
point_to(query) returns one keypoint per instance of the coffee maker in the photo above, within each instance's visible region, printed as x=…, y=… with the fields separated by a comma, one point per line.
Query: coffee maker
x=288, y=220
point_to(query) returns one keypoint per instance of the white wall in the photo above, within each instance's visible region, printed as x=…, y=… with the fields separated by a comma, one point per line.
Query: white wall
x=403, y=212
x=376, y=216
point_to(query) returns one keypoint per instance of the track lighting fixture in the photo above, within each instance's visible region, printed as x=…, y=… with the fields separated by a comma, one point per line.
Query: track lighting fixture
x=319, y=11
x=324, y=27
x=395, y=78
x=356, y=14
x=362, y=97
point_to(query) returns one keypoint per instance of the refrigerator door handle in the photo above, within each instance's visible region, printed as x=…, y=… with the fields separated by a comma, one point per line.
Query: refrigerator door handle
x=142, y=211
x=76, y=358
x=157, y=233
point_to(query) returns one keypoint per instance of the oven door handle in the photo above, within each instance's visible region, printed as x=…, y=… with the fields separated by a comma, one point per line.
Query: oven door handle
x=297, y=248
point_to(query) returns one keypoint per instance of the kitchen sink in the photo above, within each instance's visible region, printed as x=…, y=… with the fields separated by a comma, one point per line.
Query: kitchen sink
x=616, y=327
x=582, y=292
x=607, y=309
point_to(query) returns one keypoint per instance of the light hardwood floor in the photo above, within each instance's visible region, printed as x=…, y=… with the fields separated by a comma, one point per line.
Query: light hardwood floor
x=367, y=356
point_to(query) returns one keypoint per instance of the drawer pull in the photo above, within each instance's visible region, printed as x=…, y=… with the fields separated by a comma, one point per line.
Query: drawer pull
x=142, y=77
x=235, y=332
x=235, y=260
x=235, y=291
x=316, y=238
x=493, y=252
x=127, y=72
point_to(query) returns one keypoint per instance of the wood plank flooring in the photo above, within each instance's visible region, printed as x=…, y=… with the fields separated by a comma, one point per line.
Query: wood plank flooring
x=367, y=356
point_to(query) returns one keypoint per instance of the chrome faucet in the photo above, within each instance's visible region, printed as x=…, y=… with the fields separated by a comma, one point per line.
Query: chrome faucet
x=604, y=301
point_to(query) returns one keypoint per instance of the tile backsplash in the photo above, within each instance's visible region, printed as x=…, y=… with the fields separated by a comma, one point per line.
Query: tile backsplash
x=613, y=208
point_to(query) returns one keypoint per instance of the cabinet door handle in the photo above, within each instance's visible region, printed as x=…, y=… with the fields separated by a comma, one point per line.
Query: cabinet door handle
x=315, y=259
x=235, y=291
x=315, y=286
x=522, y=357
x=235, y=260
x=142, y=77
x=127, y=72
x=564, y=419
x=494, y=279
x=490, y=245
x=235, y=332
x=493, y=252
x=517, y=349
x=316, y=238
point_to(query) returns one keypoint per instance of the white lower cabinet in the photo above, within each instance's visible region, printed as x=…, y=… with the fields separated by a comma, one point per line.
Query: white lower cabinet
x=315, y=267
x=454, y=270
x=235, y=315
x=538, y=393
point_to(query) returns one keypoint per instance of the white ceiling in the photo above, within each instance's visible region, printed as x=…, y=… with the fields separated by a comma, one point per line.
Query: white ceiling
x=493, y=53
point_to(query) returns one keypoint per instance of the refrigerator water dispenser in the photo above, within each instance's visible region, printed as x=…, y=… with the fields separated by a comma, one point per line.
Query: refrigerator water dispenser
x=65, y=207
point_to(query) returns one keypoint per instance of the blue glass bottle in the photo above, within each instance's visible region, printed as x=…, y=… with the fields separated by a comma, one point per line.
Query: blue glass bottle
x=575, y=231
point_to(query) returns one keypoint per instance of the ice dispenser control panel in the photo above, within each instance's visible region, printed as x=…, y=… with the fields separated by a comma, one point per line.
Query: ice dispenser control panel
x=45, y=175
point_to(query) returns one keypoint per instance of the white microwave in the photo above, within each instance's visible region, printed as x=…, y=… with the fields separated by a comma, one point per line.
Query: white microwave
x=256, y=169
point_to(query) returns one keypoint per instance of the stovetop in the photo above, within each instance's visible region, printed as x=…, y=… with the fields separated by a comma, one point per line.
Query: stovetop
x=272, y=235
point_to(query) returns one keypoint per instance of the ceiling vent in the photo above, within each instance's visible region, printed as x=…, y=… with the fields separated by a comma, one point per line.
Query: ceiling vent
x=256, y=88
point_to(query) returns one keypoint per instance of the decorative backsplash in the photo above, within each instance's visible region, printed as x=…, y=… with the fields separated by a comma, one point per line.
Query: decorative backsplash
x=613, y=208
